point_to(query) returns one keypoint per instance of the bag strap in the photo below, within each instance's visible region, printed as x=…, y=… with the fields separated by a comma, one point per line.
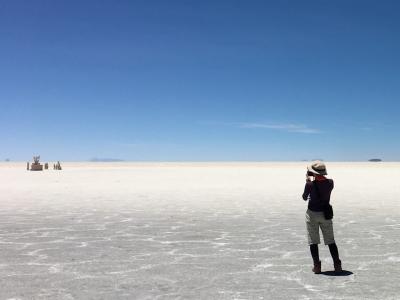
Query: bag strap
x=319, y=194
x=317, y=190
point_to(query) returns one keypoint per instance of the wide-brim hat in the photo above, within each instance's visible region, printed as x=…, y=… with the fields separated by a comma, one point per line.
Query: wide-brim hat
x=317, y=167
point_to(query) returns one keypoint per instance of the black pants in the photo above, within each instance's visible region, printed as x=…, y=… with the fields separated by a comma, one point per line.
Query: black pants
x=332, y=249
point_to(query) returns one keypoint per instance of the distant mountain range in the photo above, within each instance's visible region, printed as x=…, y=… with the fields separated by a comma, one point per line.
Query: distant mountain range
x=96, y=159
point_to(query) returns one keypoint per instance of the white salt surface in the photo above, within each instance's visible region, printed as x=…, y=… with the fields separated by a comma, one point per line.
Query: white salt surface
x=193, y=231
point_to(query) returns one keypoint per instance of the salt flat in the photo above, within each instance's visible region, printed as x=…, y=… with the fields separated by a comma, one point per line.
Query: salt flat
x=193, y=231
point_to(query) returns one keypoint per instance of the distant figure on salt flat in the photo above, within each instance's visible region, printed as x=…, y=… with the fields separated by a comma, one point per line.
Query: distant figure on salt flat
x=319, y=214
x=57, y=166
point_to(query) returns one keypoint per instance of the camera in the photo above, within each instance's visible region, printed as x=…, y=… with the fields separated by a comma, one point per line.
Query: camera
x=310, y=173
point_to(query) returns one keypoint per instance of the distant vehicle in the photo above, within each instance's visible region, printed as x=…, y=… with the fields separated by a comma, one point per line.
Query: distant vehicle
x=375, y=160
x=36, y=165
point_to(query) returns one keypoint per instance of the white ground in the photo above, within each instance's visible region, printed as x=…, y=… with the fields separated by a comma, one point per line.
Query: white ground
x=193, y=231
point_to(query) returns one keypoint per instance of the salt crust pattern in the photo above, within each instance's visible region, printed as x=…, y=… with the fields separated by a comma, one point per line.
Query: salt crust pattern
x=193, y=231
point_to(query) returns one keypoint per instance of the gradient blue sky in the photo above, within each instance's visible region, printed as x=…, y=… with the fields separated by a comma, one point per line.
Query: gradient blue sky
x=200, y=80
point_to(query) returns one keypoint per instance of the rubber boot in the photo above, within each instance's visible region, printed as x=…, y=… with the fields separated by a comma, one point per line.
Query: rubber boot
x=317, y=267
x=338, y=266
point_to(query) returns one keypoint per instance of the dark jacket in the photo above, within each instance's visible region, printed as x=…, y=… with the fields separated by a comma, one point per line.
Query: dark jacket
x=317, y=200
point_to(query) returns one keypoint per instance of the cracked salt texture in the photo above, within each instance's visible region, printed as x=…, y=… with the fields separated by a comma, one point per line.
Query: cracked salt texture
x=193, y=231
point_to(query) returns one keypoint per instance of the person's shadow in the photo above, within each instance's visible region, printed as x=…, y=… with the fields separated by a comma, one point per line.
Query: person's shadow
x=333, y=273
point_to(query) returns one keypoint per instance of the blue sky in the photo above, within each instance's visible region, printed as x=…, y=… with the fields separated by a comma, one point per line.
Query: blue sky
x=200, y=80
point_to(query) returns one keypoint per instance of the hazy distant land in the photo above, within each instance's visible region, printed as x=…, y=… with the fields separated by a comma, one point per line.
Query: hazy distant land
x=96, y=159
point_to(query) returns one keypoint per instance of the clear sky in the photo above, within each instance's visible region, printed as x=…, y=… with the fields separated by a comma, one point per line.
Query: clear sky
x=200, y=80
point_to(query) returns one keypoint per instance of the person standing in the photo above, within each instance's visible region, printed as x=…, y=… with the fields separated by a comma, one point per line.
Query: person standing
x=317, y=191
